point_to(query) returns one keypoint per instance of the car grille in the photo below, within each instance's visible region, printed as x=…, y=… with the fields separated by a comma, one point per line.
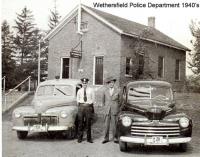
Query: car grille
x=40, y=119
x=155, y=129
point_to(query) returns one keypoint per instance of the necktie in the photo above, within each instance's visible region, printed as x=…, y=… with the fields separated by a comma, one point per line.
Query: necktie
x=85, y=96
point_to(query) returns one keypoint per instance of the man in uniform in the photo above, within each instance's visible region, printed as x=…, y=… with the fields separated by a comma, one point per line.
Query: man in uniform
x=85, y=100
x=111, y=101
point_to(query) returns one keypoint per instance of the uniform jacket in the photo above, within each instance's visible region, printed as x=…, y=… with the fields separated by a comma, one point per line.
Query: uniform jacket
x=111, y=103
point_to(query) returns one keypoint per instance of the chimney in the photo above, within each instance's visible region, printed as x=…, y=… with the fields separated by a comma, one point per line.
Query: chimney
x=151, y=21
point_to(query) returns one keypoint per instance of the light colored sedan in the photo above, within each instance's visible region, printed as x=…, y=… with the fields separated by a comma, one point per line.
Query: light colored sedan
x=52, y=110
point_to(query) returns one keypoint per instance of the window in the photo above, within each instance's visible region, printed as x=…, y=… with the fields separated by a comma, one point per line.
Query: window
x=128, y=66
x=140, y=64
x=160, y=66
x=98, y=70
x=45, y=90
x=65, y=67
x=84, y=26
x=177, y=69
x=61, y=90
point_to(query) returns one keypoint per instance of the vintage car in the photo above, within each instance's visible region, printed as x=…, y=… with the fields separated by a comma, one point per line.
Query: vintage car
x=148, y=116
x=52, y=110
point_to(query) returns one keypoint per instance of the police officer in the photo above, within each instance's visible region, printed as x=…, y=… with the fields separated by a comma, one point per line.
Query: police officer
x=85, y=100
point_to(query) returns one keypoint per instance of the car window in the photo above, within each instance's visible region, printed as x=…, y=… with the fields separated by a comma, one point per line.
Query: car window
x=66, y=90
x=138, y=92
x=162, y=93
x=78, y=87
x=45, y=90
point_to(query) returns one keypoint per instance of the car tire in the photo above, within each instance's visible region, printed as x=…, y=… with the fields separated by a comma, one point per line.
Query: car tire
x=123, y=146
x=22, y=134
x=72, y=133
x=183, y=147
x=52, y=134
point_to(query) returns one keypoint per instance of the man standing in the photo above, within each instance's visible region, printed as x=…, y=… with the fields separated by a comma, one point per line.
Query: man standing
x=85, y=100
x=111, y=102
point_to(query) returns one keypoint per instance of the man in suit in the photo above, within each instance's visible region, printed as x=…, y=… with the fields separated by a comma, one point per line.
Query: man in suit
x=85, y=101
x=111, y=102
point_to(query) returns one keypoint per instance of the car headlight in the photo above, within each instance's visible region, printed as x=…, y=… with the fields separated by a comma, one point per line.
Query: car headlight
x=126, y=121
x=184, y=122
x=17, y=114
x=63, y=114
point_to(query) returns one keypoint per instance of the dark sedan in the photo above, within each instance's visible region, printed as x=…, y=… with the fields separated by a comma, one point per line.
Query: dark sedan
x=148, y=116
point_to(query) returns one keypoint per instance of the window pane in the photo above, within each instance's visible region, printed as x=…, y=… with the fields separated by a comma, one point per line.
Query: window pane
x=160, y=66
x=65, y=73
x=128, y=66
x=177, y=69
x=45, y=91
x=99, y=71
x=141, y=64
x=63, y=90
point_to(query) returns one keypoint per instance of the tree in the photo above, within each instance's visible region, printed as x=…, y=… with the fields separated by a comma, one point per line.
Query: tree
x=140, y=59
x=26, y=43
x=25, y=35
x=8, y=63
x=194, y=65
x=54, y=18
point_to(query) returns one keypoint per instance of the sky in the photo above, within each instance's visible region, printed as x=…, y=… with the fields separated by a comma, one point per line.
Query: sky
x=174, y=22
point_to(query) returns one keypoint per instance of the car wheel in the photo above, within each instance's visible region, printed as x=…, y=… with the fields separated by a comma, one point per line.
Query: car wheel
x=72, y=133
x=52, y=134
x=123, y=146
x=22, y=134
x=183, y=147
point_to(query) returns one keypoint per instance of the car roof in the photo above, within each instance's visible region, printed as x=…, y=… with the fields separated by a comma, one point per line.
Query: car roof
x=155, y=82
x=72, y=82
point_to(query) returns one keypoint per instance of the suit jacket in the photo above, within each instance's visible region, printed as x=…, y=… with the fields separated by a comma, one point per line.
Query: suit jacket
x=111, y=103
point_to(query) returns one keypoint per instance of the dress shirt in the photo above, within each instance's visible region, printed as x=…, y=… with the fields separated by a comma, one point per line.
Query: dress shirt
x=111, y=91
x=89, y=94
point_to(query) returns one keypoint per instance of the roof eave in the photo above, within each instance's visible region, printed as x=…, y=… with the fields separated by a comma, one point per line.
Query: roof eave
x=118, y=30
x=155, y=41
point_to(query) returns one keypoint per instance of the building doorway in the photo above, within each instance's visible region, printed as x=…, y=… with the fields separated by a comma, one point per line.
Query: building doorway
x=65, y=67
x=98, y=71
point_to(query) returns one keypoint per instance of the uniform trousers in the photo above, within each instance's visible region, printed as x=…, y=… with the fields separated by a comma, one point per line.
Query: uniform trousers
x=84, y=118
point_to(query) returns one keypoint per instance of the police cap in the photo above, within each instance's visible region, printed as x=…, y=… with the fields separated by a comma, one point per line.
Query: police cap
x=84, y=80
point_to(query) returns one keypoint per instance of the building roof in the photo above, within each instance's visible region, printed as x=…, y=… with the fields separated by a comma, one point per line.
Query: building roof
x=127, y=27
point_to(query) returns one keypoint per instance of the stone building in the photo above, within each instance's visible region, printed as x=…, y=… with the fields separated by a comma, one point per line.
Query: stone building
x=95, y=44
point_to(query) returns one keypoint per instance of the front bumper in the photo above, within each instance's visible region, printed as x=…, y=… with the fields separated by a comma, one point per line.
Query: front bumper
x=148, y=141
x=41, y=128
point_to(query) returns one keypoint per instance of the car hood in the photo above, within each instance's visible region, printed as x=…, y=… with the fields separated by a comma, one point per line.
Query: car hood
x=41, y=105
x=152, y=109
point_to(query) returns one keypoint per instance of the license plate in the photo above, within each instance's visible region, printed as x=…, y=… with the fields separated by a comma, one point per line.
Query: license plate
x=37, y=128
x=156, y=140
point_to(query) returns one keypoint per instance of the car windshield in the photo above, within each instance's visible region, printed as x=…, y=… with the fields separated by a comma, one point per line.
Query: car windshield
x=58, y=90
x=139, y=92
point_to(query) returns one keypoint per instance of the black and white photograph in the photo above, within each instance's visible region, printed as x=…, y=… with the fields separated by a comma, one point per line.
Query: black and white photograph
x=93, y=78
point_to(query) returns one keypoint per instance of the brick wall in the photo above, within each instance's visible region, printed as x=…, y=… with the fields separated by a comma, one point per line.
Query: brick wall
x=99, y=40
x=155, y=50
